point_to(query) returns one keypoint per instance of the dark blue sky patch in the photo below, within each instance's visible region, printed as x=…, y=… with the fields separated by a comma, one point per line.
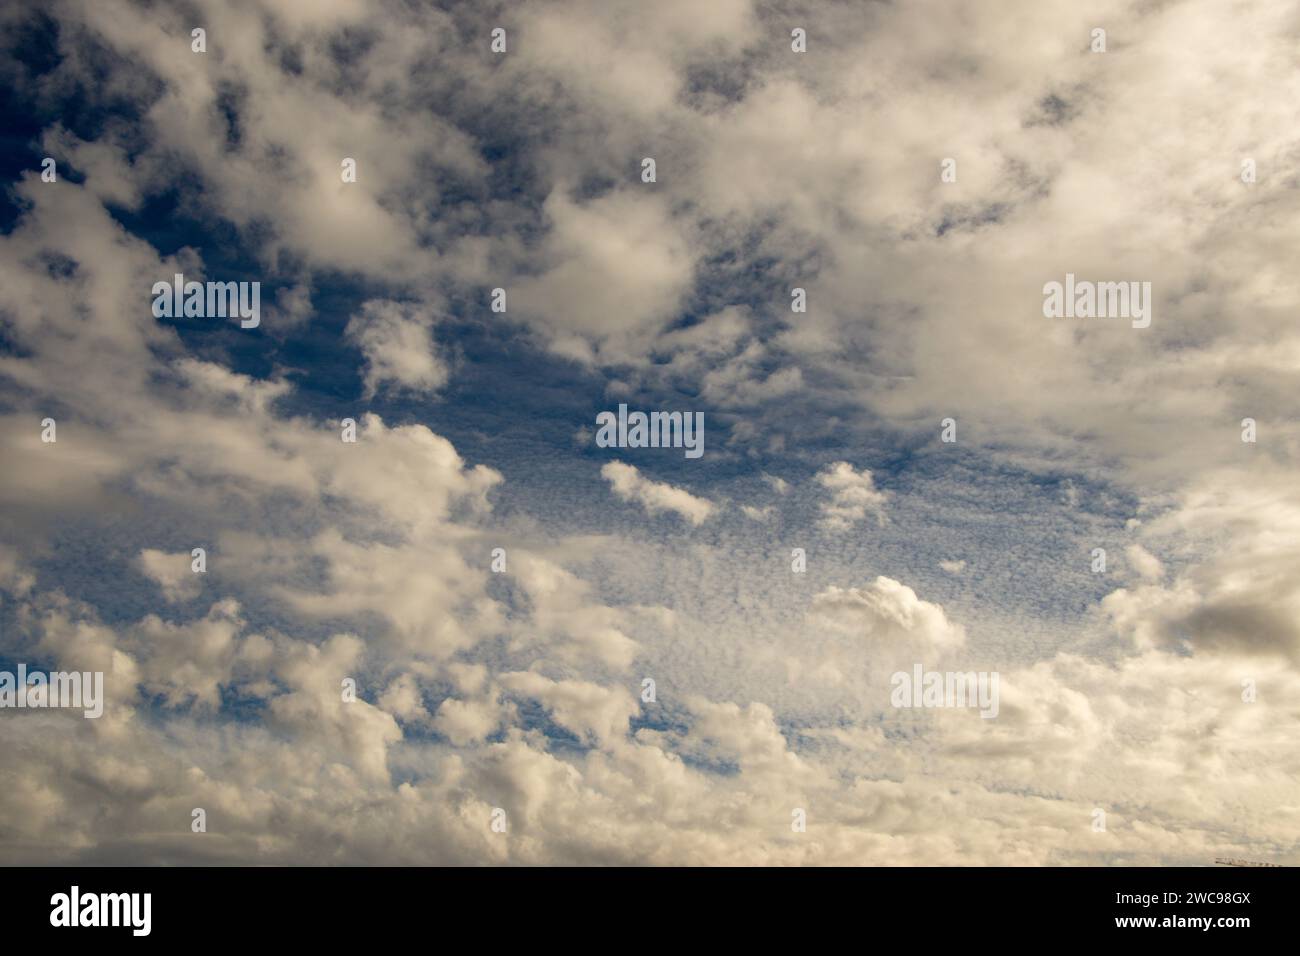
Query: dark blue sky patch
x=533, y=715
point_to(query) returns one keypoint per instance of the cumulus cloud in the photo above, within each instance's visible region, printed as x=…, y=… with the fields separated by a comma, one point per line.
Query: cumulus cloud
x=585, y=708
x=889, y=614
x=566, y=611
x=466, y=722
x=1242, y=597
x=1146, y=564
x=779, y=485
x=396, y=340
x=853, y=496
x=173, y=573
x=618, y=271
x=655, y=496
x=190, y=662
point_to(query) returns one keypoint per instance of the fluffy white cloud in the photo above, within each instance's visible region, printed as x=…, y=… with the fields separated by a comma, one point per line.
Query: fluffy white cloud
x=889, y=615
x=1243, y=597
x=1146, y=564
x=655, y=496
x=173, y=573
x=466, y=722
x=618, y=270
x=853, y=496
x=587, y=709
x=396, y=340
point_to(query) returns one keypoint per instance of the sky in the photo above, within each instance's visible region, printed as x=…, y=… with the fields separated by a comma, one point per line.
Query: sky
x=568, y=653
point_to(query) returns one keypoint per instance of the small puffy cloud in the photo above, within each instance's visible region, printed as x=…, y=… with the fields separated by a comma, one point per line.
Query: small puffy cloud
x=1144, y=562
x=188, y=663
x=779, y=485
x=748, y=736
x=853, y=497
x=396, y=339
x=172, y=573
x=377, y=581
x=403, y=700
x=312, y=709
x=466, y=722
x=655, y=496
x=14, y=576
x=618, y=270
x=1243, y=597
x=292, y=307
x=953, y=567
x=756, y=514
x=104, y=164
x=744, y=380
x=888, y=613
x=422, y=479
x=565, y=613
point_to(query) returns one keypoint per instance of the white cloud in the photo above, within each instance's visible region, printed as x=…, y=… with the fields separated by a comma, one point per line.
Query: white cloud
x=1146, y=564
x=853, y=497
x=467, y=722
x=397, y=342
x=779, y=485
x=618, y=269
x=565, y=611
x=587, y=709
x=1243, y=596
x=656, y=497
x=888, y=614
